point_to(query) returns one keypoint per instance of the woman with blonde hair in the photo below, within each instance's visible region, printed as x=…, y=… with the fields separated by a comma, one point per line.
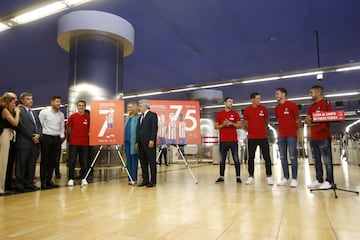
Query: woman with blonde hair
x=10, y=116
x=132, y=155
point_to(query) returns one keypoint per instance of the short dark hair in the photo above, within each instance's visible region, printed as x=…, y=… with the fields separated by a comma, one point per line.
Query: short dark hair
x=81, y=101
x=227, y=98
x=282, y=90
x=319, y=88
x=54, y=97
x=254, y=94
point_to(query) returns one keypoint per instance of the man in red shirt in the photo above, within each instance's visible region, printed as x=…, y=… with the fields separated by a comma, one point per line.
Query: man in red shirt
x=227, y=121
x=78, y=129
x=287, y=113
x=320, y=139
x=256, y=119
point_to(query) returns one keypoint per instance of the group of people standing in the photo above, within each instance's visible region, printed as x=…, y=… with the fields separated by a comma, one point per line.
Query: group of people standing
x=24, y=134
x=256, y=120
x=140, y=142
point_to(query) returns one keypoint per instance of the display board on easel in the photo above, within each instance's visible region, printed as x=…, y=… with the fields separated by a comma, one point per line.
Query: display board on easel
x=107, y=122
x=178, y=121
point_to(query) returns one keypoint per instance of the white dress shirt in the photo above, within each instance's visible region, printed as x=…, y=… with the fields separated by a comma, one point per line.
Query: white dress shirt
x=53, y=123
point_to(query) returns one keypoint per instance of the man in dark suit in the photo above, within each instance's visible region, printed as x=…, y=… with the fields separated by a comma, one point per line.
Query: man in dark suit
x=27, y=145
x=146, y=143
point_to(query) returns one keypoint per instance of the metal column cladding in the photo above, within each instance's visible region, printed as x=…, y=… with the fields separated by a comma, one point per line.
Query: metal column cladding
x=97, y=43
x=95, y=68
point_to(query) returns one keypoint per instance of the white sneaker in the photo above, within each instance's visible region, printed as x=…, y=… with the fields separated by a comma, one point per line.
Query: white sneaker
x=314, y=184
x=269, y=181
x=249, y=181
x=70, y=183
x=84, y=182
x=293, y=183
x=325, y=185
x=284, y=182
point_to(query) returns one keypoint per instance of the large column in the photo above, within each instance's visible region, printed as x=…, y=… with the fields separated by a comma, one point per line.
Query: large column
x=210, y=147
x=97, y=43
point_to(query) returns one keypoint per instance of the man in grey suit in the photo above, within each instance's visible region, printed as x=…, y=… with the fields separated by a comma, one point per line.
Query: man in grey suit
x=146, y=143
x=27, y=145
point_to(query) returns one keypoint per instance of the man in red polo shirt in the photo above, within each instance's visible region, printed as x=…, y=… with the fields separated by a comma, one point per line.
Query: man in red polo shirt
x=256, y=119
x=287, y=114
x=78, y=129
x=320, y=139
x=227, y=121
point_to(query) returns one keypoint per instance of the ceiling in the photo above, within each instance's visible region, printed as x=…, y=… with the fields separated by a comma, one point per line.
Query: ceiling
x=184, y=42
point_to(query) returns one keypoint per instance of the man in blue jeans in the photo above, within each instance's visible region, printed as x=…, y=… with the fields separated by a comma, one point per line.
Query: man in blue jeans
x=287, y=114
x=227, y=121
x=320, y=139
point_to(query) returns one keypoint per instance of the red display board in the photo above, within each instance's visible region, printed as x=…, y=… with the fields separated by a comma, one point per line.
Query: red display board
x=330, y=116
x=107, y=122
x=178, y=121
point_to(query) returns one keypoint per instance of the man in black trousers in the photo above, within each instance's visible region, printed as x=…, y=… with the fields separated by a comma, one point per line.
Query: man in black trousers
x=146, y=143
x=27, y=145
x=53, y=135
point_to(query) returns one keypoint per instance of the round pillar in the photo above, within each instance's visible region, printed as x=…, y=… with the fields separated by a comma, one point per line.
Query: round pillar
x=97, y=43
x=206, y=97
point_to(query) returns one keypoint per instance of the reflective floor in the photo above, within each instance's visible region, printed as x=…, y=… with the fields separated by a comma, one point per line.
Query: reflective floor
x=177, y=208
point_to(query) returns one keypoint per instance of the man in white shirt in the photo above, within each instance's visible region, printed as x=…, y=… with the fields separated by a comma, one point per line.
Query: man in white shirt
x=53, y=134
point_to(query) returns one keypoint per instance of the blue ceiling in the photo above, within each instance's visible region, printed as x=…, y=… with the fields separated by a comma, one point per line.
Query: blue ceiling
x=182, y=42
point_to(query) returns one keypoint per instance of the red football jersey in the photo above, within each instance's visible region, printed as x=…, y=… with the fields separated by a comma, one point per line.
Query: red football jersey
x=228, y=134
x=79, y=129
x=256, y=117
x=320, y=131
x=286, y=114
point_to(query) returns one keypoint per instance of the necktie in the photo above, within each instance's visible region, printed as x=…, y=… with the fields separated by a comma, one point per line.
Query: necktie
x=33, y=118
x=141, y=118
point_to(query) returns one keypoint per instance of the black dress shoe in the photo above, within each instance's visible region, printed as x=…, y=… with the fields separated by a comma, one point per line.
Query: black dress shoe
x=143, y=184
x=19, y=190
x=31, y=188
x=151, y=185
x=4, y=194
x=51, y=184
x=44, y=187
x=219, y=180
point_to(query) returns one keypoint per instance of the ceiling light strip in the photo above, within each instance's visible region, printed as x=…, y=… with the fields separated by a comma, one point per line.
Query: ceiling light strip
x=305, y=74
x=183, y=89
x=39, y=13
x=3, y=27
x=347, y=69
x=342, y=94
x=217, y=85
x=261, y=80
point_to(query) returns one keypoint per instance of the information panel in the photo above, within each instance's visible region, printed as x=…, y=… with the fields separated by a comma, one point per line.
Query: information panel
x=178, y=121
x=330, y=116
x=107, y=122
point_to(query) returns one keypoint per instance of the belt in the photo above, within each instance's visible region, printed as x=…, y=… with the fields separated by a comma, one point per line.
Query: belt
x=52, y=136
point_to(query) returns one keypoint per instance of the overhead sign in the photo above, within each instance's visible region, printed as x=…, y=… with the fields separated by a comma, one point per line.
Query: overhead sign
x=178, y=121
x=107, y=122
x=329, y=116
